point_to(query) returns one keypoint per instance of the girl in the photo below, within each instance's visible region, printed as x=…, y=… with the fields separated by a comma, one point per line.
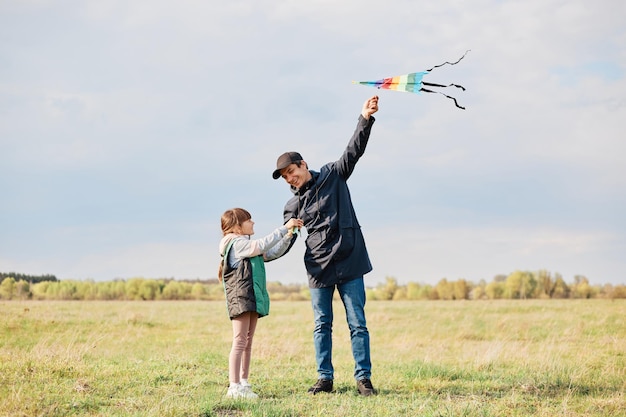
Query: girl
x=242, y=272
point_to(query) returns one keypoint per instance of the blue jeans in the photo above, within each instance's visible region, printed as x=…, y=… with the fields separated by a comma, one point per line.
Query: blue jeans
x=352, y=295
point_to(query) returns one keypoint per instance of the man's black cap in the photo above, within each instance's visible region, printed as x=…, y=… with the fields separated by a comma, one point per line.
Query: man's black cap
x=284, y=161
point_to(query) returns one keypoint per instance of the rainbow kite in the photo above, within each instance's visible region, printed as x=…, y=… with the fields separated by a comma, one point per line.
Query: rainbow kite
x=413, y=83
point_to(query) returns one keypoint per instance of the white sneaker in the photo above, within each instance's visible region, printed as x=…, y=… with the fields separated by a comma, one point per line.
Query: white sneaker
x=240, y=391
x=247, y=389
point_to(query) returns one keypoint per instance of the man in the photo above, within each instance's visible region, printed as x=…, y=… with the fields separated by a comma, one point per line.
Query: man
x=335, y=257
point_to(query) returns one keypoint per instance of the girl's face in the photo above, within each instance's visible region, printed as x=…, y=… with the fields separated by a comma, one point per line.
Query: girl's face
x=247, y=227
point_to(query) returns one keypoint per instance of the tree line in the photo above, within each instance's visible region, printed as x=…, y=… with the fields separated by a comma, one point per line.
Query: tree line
x=33, y=279
x=517, y=285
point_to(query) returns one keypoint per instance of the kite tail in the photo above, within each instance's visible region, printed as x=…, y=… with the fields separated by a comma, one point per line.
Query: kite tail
x=441, y=85
x=451, y=98
x=449, y=63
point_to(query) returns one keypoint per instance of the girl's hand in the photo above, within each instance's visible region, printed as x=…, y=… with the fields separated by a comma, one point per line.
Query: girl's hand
x=294, y=225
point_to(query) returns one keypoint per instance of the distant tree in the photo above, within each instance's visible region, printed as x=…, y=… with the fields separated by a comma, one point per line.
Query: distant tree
x=529, y=284
x=479, y=292
x=104, y=291
x=520, y=284
x=198, y=291
x=7, y=288
x=86, y=290
x=387, y=290
x=132, y=289
x=216, y=291
x=39, y=290
x=67, y=290
x=428, y=292
x=545, y=284
x=119, y=290
x=561, y=290
x=461, y=289
x=22, y=290
x=370, y=294
x=175, y=290
x=400, y=294
x=500, y=278
x=619, y=291
x=445, y=290
x=495, y=290
x=413, y=291
x=581, y=287
x=150, y=289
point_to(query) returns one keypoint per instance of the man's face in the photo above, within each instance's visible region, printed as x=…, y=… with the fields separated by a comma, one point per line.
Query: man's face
x=295, y=175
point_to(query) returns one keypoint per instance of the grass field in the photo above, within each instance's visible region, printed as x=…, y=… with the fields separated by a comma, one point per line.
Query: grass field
x=430, y=358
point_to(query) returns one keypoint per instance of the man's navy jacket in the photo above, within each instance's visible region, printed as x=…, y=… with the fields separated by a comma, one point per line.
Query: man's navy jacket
x=335, y=248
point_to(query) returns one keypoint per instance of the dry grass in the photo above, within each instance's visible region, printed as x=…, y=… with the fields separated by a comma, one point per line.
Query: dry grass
x=431, y=358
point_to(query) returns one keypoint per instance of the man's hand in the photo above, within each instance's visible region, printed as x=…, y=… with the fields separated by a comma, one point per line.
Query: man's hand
x=370, y=107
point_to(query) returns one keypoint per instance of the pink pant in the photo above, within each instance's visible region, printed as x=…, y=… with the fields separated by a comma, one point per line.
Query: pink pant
x=239, y=359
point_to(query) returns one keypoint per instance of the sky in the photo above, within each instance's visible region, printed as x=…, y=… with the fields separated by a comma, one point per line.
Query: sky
x=128, y=127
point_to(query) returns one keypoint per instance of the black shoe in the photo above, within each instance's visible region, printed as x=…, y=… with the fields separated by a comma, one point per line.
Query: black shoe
x=365, y=387
x=322, y=385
